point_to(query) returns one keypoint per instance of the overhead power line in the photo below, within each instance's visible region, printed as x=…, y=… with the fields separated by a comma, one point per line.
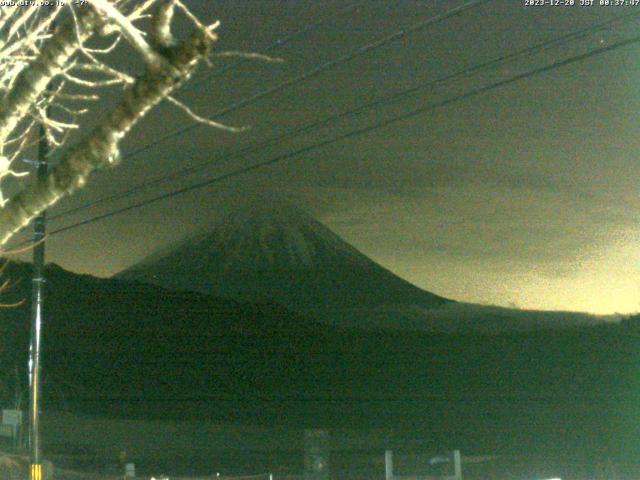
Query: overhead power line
x=275, y=44
x=387, y=99
x=314, y=72
x=309, y=148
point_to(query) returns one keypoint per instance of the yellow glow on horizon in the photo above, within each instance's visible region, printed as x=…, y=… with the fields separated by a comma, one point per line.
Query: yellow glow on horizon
x=604, y=284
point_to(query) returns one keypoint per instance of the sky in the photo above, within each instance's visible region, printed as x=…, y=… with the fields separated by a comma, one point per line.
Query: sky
x=524, y=195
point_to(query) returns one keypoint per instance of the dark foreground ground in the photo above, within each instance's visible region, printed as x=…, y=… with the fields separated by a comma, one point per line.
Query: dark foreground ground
x=191, y=449
x=190, y=384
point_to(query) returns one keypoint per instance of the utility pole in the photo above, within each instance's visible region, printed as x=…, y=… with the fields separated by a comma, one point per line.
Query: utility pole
x=35, y=472
x=388, y=465
x=457, y=465
x=37, y=300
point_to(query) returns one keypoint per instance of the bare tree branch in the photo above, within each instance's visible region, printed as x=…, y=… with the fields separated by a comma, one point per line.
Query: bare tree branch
x=100, y=147
x=130, y=32
x=204, y=121
x=48, y=78
x=33, y=80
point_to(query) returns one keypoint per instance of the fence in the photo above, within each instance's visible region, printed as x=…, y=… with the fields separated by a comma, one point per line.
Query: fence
x=73, y=475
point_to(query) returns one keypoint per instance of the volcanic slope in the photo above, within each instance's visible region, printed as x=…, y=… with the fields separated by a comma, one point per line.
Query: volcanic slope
x=281, y=254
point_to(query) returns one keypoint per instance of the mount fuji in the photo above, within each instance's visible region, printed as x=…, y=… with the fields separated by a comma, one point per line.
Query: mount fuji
x=275, y=252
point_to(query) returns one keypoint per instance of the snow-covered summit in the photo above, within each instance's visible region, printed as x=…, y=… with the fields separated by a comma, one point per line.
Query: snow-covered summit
x=257, y=237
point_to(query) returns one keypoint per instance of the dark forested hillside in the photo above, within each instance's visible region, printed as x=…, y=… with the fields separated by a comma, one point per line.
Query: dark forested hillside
x=131, y=350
